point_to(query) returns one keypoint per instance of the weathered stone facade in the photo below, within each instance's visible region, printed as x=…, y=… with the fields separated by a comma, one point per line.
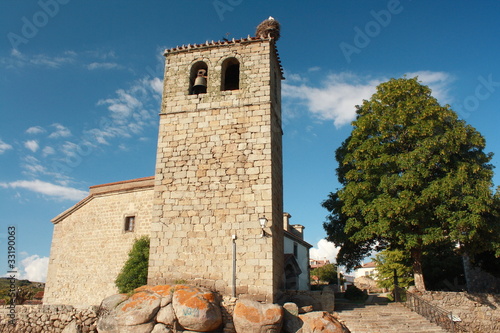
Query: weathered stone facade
x=219, y=169
x=218, y=172
x=90, y=244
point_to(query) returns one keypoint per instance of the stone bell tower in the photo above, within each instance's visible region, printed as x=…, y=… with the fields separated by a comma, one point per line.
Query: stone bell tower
x=219, y=168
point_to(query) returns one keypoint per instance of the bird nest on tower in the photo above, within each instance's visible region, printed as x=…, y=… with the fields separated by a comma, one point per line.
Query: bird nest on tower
x=269, y=28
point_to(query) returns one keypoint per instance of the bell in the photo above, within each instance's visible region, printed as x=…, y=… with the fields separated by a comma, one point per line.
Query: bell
x=200, y=82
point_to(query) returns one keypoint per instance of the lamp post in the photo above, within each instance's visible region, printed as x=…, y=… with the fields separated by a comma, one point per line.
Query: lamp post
x=263, y=222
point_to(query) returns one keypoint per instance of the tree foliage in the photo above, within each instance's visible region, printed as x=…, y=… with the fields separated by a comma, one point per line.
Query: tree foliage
x=135, y=270
x=326, y=273
x=389, y=261
x=413, y=174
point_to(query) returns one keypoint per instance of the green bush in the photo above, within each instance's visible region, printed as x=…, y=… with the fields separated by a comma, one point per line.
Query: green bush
x=135, y=271
x=353, y=293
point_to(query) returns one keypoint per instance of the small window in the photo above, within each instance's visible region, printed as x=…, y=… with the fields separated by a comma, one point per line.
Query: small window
x=295, y=250
x=230, y=74
x=129, y=223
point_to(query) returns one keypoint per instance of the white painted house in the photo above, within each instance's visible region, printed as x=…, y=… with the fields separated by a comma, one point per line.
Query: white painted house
x=368, y=269
x=296, y=251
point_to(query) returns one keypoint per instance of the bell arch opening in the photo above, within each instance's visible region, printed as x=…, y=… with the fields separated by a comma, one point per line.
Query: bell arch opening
x=198, y=78
x=230, y=79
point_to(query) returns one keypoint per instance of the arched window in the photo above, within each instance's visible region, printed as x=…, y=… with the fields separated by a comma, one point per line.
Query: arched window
x=198, y=78
x=230, y=74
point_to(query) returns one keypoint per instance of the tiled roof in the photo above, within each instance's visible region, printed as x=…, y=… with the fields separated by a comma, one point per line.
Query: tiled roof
x=213, y=43
x=369, y=264
x=121, y=186
x=123, y=182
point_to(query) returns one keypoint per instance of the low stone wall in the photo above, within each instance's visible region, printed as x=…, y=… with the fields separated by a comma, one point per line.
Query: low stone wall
x=47, y=318
x=479, y=312
x=66, y=318
x=325, y=299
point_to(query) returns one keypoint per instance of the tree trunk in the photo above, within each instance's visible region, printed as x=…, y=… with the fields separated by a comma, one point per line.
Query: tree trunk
x=416, y=256
x=467, y=272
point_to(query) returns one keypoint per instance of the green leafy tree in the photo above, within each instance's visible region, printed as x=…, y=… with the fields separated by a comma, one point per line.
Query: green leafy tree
x=413, y=174
x=389, y=261
x=326, y=273
x=135, y=271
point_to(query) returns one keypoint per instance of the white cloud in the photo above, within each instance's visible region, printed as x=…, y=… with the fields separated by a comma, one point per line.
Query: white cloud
x=122, y=106
x=336, y=98
x=4, y=147
x=49, y=189
x=324, y=250
x=18, y=59
x=32, y=165
x=439, y=82
x=157, y=85
x=35, y=130
x=34, y=268
x=130, y=111
x=103, y=65
x=48, y=151
x=60, y=131
x=32, y=145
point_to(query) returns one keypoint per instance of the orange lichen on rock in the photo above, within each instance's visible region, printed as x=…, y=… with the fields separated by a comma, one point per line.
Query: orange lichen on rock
x=320, y=321
x=162, y=290
x=192, y=298
x=196, y=309
x=143, y=288
x=138, y=299
x=273, y=313
x=250, y=313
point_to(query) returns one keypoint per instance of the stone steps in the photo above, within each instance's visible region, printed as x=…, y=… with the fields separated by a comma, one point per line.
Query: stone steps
x=384, y=318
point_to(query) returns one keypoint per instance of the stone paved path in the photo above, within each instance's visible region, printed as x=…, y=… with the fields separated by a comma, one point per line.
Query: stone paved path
x=379, y=316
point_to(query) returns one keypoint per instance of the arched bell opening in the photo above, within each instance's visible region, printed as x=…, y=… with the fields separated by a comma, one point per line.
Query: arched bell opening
x=230, y=79
x=198, y=79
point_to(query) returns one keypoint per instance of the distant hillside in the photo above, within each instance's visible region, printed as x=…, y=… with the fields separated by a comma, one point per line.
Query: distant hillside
x=27, y=288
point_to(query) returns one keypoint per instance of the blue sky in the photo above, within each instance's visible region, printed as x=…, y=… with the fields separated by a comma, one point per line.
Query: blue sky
x=80, y=85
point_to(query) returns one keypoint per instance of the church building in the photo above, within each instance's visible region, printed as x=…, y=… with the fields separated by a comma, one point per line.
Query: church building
x=214, y=209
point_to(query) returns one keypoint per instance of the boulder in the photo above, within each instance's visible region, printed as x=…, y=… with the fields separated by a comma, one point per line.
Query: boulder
x=303, y=301
x=291, y=322
x=196, y=309
x=107, y=323
x=306, y=309
x=143, y=328
x=110, y=303
x=166, y=315
x=320, y=321
x=161, y=328
x=140, y=308
x=254, y=317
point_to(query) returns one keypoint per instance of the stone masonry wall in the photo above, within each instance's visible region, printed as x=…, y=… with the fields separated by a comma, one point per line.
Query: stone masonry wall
x=478, y=312
x=90, y=246
x=218, y=171
x=48, y=318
